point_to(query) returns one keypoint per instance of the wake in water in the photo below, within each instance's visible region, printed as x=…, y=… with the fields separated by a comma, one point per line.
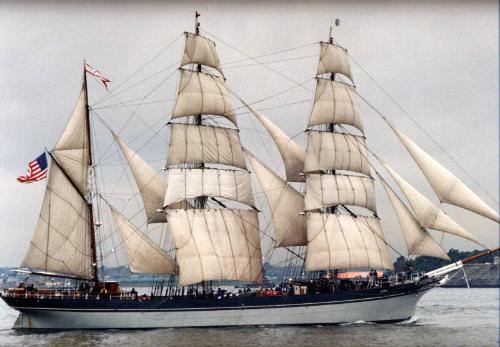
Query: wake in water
x=412, y=321
x=358, y=322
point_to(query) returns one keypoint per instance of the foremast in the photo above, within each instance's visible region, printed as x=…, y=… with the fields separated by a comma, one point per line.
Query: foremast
x=338, y=175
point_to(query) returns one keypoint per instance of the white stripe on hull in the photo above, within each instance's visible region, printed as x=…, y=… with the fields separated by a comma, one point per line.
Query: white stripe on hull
x=387, y=309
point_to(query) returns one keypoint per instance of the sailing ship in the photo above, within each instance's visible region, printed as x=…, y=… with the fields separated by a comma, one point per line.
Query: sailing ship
x=208, y=204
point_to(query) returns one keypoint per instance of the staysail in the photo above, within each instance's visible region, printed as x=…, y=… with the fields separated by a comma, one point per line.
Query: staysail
x=292, y=155
x=418, y=240
x=286, y=205
x=151, y=185
x=428, y=215
x=446, y=185
x=143, y=254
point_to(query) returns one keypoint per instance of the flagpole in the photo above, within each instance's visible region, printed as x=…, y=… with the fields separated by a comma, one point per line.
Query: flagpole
x=95, y=271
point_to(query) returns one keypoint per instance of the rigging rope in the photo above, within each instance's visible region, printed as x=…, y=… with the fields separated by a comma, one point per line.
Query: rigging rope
x=272, y=61
x=269, y=54
x=140, y=69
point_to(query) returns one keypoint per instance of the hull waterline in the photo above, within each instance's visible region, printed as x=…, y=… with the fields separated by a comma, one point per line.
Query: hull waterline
x=379, y=308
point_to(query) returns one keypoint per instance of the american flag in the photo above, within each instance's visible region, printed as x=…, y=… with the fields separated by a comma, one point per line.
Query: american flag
x=37, y=170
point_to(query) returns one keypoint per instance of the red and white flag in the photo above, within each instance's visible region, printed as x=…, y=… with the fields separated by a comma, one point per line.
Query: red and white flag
x=98, y=74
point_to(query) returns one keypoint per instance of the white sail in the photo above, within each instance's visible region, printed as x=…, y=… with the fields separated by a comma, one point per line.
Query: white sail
x=333, y=59
x=286, y=205
x=202, y=94
x=446, y=185
x=292, y=155
x=345, y=242
x=200, y=50
x=216, y=245
x=335, y=103
x=191, y=143
x=428, y=215
x=72, y=148
x=335, y=151
x=323, y=190
x=191, y=183
x=61, y=242
x=418, y=240
x=151, y=185
x=143, y=254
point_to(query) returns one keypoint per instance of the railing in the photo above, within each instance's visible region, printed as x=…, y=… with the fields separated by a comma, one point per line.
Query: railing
x=358, y=282
x=44, y=294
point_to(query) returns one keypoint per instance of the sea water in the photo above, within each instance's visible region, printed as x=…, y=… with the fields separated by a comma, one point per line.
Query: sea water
x=444, y=317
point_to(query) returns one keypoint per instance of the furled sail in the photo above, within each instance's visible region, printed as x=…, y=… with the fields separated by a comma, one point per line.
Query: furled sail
x=333, y=59
x=418, y=240
x=72, y=148
x=335, y=151
x=343, y=241
x=151, y=185
x=200, y=50
x=428, y=215
x=286, y=205
x=335, y=103
x=202, y=94
x=323, y=190
x=143, y=254
x=191, y=143
x=292, y=155
x=191, y=183
x=446, y=185
x=61, y=242
x=216, y=244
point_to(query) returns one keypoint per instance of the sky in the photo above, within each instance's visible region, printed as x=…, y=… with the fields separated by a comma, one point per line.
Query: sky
x=438, y=60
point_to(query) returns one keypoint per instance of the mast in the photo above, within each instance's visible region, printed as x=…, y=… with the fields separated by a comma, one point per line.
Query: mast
x=95, y=271
x=331, y=126
x=199, y=202
x=211, y=243
x=337, y=174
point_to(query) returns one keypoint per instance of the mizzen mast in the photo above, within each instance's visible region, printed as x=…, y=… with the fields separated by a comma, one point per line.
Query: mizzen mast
x=93, y=245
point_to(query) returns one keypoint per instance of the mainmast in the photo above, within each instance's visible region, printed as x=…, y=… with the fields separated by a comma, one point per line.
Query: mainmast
x=206, y=160
x=95, y=271
x=199, y=202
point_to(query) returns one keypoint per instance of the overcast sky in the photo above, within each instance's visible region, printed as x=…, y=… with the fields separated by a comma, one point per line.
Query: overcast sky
x=439, y=61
